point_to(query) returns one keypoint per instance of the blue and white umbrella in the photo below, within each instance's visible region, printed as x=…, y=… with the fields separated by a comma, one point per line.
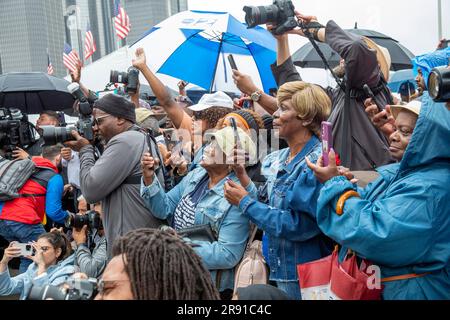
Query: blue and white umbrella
x=399, y=77
x=194, y=45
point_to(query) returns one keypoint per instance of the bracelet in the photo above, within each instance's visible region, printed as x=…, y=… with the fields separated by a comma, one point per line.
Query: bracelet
x=343, y=198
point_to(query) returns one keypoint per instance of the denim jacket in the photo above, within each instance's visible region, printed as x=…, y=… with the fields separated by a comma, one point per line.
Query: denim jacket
x=225, y=219
x=289, y=218
x=21, y=284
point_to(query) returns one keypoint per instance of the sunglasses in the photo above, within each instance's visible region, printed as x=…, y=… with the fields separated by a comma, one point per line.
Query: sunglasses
x=97, y=123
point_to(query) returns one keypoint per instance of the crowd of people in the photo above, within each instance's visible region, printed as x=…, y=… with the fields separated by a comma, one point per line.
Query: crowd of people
x=156, y=177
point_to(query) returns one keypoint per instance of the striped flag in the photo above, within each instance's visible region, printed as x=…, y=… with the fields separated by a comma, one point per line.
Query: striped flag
x=121, y=20
x=70, y=58
x=49, y=65
x=89, y=43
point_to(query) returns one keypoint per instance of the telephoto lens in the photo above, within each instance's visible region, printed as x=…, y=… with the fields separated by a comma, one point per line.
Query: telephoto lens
x=260, y=15
x=439, y=84
x=53, y=135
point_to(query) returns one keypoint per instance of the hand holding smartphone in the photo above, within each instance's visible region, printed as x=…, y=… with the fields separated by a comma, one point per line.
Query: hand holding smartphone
x=232, y=62
x=26, y=249
x=327, y=141
x=236, y=134
x=370, y=95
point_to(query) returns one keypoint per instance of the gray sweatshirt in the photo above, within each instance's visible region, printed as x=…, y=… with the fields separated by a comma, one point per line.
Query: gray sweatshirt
x=92, y=263
x=122, y=205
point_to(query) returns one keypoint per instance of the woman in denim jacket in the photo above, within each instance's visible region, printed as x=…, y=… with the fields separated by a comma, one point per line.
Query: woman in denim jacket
x=51, y=265
x=288, y=220
x=199, y=199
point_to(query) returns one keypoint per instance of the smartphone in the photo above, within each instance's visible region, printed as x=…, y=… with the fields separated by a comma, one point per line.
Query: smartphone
x=369, y=94
x=327, y=141
x=235, y=130
x=232, y=62
x=26, y=249
x=171, y=138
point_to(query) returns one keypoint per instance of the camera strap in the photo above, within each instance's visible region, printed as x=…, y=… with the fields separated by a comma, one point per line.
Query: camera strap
x=305, y=30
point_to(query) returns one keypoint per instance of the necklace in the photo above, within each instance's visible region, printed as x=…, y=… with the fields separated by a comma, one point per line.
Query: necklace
x=290, y=157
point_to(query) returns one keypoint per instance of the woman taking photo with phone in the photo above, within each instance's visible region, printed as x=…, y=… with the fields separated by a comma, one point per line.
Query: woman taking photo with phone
x=52, y=265
x=198, y=201
x=288, y=219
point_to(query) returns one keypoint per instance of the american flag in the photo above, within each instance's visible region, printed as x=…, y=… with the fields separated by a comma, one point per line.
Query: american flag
x=89, y=43
x=70, y=58
x=121, y=21
x=49, y=65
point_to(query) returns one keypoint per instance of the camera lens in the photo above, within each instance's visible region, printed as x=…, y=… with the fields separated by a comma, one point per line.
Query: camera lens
x=28, y=247
x=439, y=84
x=53, y=135
x=78, y=221
x=260, y=15
x=46, y=292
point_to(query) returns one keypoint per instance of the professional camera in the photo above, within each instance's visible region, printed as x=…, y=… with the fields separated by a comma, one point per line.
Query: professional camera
x=91, y=219
x=129, y=78
x=77, y=289
x=280, y=13
x=439, y=84
x=53, y=135
x=15, y=131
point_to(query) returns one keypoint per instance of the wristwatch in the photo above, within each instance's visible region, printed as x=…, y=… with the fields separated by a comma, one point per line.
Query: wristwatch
x=256, y=95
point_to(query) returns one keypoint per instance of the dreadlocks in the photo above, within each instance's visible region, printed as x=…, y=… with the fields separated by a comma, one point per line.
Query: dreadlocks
x=163, y=267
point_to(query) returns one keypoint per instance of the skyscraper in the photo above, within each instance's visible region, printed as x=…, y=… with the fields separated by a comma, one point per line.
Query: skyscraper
x=28, y=29
x=144, y=14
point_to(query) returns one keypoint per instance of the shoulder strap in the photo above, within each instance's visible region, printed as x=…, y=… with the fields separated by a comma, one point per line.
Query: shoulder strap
x=42, y=176
x=152, y=146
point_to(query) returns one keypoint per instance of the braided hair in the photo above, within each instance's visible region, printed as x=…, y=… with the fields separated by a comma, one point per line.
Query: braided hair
x=161, y=266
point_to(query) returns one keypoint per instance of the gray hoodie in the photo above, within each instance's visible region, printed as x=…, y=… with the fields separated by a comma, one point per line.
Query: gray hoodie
x=122, y=205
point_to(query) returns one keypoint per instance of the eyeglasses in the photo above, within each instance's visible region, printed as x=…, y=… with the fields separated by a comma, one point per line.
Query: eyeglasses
x=97, y=123
x=101, y=284
x=45, y=248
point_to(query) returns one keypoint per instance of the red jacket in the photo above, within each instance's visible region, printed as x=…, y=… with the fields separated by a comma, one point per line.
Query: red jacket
x=30, y=210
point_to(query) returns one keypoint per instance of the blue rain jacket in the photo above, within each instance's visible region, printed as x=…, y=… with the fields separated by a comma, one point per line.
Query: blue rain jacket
x=402, y=220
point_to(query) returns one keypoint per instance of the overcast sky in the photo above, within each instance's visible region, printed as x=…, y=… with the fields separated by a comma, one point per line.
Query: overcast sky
x=412, y=22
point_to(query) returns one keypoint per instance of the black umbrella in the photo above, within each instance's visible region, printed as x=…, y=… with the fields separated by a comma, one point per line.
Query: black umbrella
x=307, y=57
x=33, y=92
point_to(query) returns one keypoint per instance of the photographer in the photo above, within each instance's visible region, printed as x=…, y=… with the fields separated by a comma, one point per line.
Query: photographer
x=52, y=264
x=90, y=254
x=21, y=219
x=46, y=118
x=114, y=178
x=365, y=63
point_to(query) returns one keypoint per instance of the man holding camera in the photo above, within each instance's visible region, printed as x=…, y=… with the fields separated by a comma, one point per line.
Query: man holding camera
x=115, y=178
x=90, y=254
